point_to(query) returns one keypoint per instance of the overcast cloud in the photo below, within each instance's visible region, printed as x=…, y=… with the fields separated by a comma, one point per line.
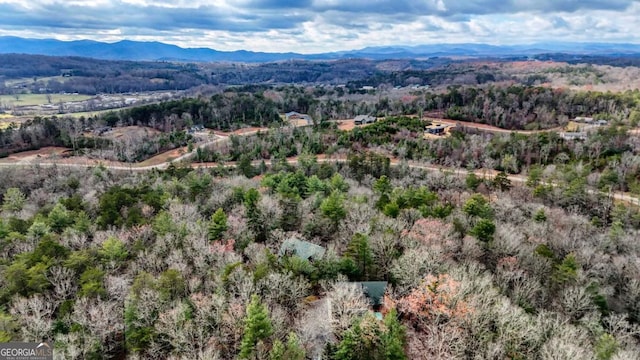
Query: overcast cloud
x=308, y=26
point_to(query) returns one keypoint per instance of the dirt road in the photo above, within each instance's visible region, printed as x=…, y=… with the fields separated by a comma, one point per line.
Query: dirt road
x=32, y=161
x=483, y=173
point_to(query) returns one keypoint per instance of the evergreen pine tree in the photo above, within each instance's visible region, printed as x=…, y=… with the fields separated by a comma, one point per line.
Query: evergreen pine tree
x=333, y=208
x=383, y=187
x=350, y=348
x=393, y=340
x=360, y=253
x=502, y=182
x=257, y=327
x=245, y=167
x=254, y=215
x=13, y=200
x=217, y=225
x=291, y=351
x=59, y=218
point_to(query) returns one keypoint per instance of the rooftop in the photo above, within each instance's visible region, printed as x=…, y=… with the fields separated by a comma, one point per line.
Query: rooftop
x=374, y=291
x=302, y=249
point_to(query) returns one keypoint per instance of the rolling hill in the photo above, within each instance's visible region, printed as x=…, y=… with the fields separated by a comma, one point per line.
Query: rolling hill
x=157, y=51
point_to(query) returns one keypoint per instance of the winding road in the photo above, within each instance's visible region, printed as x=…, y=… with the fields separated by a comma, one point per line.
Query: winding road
x=483, y=173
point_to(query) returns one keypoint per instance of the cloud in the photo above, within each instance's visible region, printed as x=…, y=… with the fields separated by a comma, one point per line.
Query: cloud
x=322, y=25
x=448, y=8
x=119, y=14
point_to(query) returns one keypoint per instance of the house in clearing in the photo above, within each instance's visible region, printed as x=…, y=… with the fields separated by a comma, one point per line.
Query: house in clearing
x=364, y=119
x=293, y=116
x=195, y=128
x=435, y=129
x=573, y=135
x=303, y=249
x=584, y=119
x=374, y=292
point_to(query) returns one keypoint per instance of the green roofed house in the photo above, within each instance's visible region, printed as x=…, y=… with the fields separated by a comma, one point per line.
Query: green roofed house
x=374, y=291
x=303, y=249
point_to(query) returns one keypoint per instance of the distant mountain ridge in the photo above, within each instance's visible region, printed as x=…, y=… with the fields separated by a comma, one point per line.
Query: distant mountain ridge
x=157, y=51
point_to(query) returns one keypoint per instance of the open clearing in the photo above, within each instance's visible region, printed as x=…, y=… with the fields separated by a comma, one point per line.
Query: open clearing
x=348, y=125
x=163, y=157
x=6, y=120
x=40, y=99
x=30, y=80
x=50, y=152
x=134, y=131
x=88, y=114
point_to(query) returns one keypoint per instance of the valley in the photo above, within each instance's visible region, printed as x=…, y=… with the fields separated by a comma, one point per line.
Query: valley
x=349, y=209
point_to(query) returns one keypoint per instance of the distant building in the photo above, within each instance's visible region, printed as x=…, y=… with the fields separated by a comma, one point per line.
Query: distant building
x=364, y=119
x=293, y=115
x=195, y=128
x=368, y=88
x=303, y=249
x=573, y=135
x=586, y=120
x=101, y=130
x=435, y=129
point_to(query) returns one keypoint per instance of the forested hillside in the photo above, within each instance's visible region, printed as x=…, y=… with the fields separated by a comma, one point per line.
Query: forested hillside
x=37, y=74
x=507, y=107
x=326, y=239
x=185, y=264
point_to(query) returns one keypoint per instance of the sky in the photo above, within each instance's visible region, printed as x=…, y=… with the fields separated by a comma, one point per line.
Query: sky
x=313, y=26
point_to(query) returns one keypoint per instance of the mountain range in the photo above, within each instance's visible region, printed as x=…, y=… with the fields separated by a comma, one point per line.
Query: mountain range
x=157, y=51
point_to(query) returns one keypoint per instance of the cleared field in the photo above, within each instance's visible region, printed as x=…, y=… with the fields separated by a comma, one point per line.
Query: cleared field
x=348, y=125
x=133, y=131
x=576, y=126
x=48, y=152
x=88, y=114
x=40, y=99
x=100, y=112
x=6, y=120
x=30, y=80
x=164, y=157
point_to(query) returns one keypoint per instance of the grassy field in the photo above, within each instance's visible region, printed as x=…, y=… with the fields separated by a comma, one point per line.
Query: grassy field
x=92, y=113
x=100, y=112
x=5, y=120
x=29, y=80
x=40, y=99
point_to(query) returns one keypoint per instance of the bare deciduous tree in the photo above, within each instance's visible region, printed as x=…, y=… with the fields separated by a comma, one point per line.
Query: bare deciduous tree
x=63, y=281
x=35, y=317
x=346, y=303
x=102, y=319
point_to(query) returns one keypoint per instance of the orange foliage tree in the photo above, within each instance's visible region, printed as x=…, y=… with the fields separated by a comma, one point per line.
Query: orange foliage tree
x=436, y=300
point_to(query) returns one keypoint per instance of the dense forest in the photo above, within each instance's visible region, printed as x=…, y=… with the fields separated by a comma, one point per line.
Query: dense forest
x=91, y=76
x=189, y=264
x=319, y=243
x=607, y=151
x=528, y=107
